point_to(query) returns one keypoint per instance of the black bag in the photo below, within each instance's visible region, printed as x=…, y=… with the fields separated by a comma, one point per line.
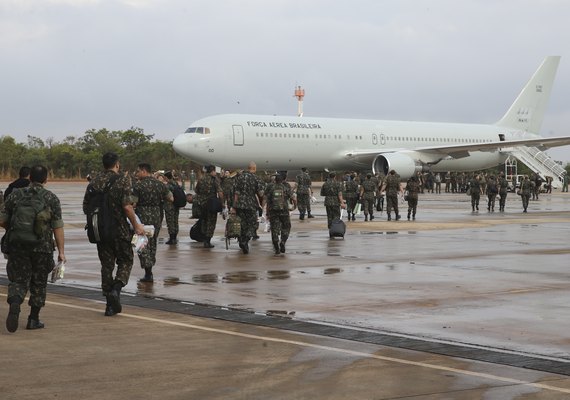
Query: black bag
x=380, y=203
x=337, y=229
x=179, y=196
x=101, y=224
x=214, y=205
x=196, y=232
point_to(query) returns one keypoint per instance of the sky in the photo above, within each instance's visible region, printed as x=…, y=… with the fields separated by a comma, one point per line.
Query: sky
x=68, y=66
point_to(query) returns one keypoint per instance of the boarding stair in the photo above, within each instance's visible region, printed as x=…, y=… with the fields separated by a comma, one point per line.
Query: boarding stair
x=540, y=162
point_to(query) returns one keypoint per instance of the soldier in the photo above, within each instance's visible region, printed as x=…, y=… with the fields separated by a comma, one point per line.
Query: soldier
x=367, y=192
x=536, y=184
x=332, y=191
x=228, y=184
x=525, y=191
x=565, y=182
x=278, y=196
x=475, y=192
x=304, y=193
x=503, y=190
x=438, y=183
x=492, y=191
x=192, y=179
x=171, y=211
x=29, y=263
x=116, y=249
x=392, y=188
x=248, y=197
x=447, y=182
x=22, y=181
x=413, y=188
x=151, y=196
x=208, y=190
x=350, y=193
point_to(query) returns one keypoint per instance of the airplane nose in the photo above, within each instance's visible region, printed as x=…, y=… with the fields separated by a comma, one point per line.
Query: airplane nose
x=180, y=144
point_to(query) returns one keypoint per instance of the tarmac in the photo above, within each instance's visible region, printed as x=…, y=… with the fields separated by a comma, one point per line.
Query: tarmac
x=454, y=305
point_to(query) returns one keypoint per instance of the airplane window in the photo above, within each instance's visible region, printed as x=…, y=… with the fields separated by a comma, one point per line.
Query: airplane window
x=207, y=131
x=190, y=130
x=200, y=130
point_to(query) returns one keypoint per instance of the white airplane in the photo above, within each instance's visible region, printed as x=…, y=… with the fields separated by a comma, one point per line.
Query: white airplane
x=289, y=143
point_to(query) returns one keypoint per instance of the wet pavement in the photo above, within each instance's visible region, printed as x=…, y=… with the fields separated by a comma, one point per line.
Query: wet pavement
x=491, y=280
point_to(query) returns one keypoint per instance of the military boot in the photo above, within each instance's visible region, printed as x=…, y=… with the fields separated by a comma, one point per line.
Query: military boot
x=302, y=216
x=282, y=247
x=114, y=297
x=147, y=276
x=207, y=243
x=409, y=215
x=309, y=215
x=13, y=316
x=172, y=240
x=276, y=248
x=389, y=217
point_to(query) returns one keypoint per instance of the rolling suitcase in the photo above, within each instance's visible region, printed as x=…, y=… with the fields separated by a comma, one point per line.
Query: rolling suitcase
x=338, y=227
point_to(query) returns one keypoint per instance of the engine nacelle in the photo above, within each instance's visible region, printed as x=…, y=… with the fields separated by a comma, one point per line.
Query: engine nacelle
x=403, y=163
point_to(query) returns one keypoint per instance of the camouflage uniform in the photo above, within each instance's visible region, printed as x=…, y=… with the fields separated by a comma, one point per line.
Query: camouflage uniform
x=525, y=191
x=118, y=250
x=171, y=212
x=303, y=181
x=413, y=188
x=279, y=216
x=248, y=190
x=192, y=179
x=228, y=184
x=503, y=185
x=207, y=187
x=350, y=194
x=475, y=190
x=330, y=190
x=151, y=196
x=367, y=192
x=392, y=189
x=492, y=191
x=28, y=267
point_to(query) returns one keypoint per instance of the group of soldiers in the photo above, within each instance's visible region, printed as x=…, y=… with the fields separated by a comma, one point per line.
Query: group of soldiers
x=141, y=200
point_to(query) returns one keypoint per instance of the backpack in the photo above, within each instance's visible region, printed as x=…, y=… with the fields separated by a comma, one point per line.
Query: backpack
x=278, y=202
x=492, y=188
x=179, y=196
x=25, y=225
x=101, y=224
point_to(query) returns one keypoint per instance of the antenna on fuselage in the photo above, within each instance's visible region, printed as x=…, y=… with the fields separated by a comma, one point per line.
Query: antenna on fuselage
x=299, y=94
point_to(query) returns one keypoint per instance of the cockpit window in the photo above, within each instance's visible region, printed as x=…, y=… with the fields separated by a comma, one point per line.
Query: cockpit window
x=199, y=130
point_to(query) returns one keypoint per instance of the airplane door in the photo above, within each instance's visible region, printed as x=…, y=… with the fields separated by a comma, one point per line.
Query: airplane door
x=238, y=135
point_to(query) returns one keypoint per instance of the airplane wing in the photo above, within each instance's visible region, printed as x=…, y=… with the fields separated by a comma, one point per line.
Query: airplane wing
x=437, y=153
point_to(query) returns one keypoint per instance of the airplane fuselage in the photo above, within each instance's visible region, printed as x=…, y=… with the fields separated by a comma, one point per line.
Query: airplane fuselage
x=287, y=143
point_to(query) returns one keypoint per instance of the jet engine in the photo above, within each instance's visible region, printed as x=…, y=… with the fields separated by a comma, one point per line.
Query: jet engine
x=404, y=164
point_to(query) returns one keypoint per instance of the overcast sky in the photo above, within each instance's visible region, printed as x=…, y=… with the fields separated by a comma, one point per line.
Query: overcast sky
x=72, y=65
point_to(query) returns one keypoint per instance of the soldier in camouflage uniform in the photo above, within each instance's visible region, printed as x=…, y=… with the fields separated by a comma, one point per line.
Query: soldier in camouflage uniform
x=503, y=190
x=171, y=211
x=117, y=249
x=248, y=197
x=207, y=188
x=350, y=194
x=475, y=192
x=228, y=184
x=525, y=191
x=29, y=266
x=332, y=192
x=368, y=190
x=151, y=196
x=278, y=196
x=392, y=188
x=304, y=193
x=413, y=188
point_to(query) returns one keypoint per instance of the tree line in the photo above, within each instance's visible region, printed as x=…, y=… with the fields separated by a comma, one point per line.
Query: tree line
x=76, y=157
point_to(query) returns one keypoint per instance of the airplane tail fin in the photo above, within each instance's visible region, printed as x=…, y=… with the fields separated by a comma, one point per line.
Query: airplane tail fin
x=527, y=112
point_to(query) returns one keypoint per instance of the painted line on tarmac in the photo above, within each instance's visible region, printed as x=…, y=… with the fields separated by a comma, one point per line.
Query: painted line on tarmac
x=321, y=347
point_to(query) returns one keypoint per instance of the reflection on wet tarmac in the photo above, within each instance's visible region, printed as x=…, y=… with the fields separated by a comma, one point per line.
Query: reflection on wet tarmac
x=205, y=278
x=278, y=274
x=240, y=277
x=330, y=271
